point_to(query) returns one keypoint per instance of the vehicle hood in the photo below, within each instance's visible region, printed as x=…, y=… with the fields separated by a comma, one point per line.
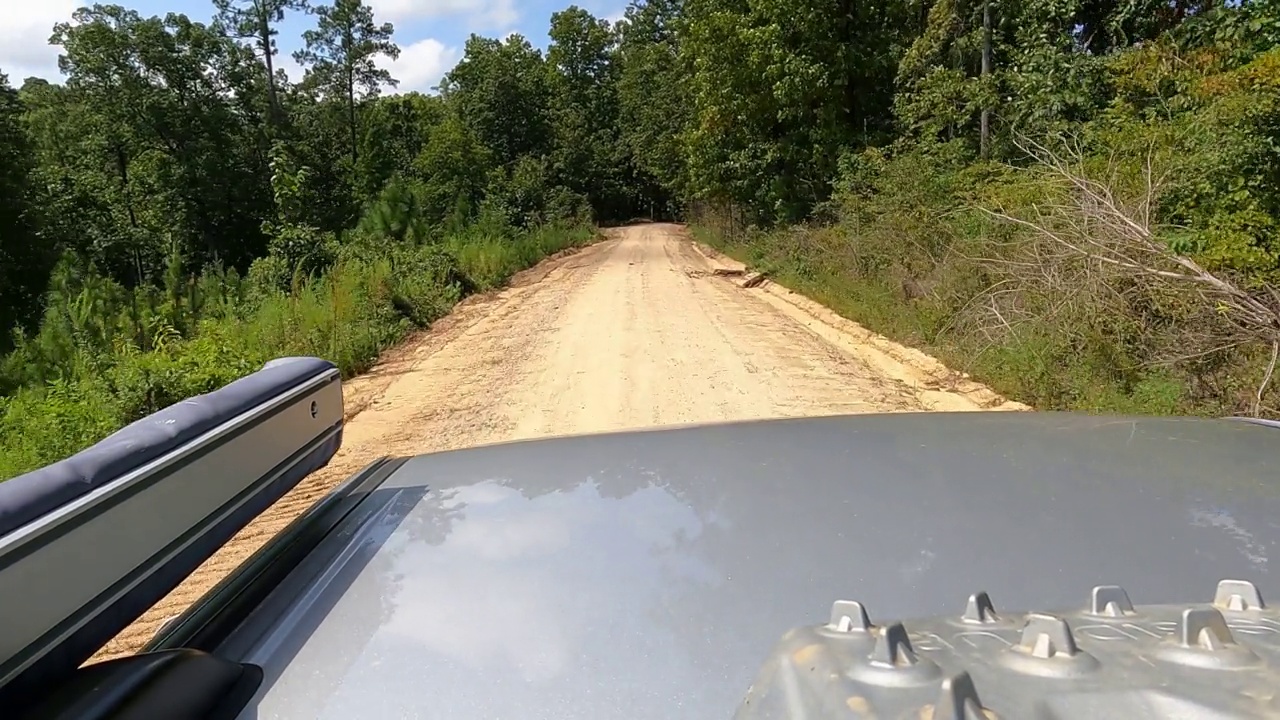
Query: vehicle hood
x=648, y=574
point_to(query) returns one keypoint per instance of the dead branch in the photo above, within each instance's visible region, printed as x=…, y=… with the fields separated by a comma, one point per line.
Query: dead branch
x=1266, y=378
x=1090, y=243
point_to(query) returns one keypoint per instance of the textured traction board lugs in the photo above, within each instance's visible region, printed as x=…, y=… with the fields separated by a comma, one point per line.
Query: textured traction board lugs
x=1107, y=659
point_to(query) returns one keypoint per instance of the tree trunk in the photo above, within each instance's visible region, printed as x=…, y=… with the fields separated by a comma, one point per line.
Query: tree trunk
x=984, y=139
x=348, y=45
x=122, y=165
x=351, y=117
x=264, y=41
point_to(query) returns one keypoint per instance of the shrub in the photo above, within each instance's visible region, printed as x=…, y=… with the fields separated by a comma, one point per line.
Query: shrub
x=106, y=356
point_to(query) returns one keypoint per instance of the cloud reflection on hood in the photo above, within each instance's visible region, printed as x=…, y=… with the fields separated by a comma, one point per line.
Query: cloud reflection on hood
x=533, y=593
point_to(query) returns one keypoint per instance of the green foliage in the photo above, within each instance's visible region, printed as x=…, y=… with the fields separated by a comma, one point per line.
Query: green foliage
x=23, y=262
x=255, y=20
x=394, y=133
x=155, y=165
x=523, y=196
x=1230, y=138
x=653, y=108
x=453, y=167
x=398, y=215
x=295, y=250
x=588, y=158
x=501, y=92
x=488, y=259
x=339, y=57
x=100, y=367
x=780, y=89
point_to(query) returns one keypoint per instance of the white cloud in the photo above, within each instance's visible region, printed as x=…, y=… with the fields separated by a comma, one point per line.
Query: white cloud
x=421, y=64
x=25, y=27
x=479, y=14
x=284, y=61
x=481, y=598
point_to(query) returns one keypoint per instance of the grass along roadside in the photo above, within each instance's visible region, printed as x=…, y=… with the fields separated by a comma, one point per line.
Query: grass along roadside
x=96, y=365
x=936, y=386
x=1037, y=370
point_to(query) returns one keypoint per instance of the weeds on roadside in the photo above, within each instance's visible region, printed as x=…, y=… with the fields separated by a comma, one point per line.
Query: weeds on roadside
x=106, y=356
x=1055, y=283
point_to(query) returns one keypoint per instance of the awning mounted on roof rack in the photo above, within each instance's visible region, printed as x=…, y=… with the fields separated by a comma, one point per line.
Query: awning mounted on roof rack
x=87, y=544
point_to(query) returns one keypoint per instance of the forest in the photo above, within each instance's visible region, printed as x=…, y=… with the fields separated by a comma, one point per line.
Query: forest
x=1075, y=201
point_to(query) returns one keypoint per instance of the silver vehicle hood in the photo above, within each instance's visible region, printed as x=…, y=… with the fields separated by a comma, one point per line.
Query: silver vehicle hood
x=647, y=575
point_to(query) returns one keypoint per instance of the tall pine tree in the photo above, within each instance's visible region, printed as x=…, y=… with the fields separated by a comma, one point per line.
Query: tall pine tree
x=340, y=53
x=255, y=20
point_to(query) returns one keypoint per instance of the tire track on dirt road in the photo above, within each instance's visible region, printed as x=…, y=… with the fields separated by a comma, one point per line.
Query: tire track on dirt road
x=632, y=332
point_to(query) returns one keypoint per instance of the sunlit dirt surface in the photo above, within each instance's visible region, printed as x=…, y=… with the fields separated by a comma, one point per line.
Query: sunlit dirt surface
x=643, y=329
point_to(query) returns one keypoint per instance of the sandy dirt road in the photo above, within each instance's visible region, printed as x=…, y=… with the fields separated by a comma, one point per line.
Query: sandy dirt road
x=640, y=330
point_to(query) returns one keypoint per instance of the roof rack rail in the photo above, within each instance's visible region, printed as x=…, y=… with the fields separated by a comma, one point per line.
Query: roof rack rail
x=174, y=684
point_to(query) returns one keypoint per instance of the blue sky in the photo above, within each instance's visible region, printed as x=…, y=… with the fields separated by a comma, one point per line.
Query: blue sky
x=430, y=33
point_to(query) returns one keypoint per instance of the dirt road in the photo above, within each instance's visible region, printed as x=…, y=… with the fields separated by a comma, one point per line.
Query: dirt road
x=636, y=331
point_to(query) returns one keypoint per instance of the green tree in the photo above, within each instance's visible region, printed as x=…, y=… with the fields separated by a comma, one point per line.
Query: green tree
x=501, y=90
x=256, y=20
x=165, y=137
x=588, y=156
x=340, y=57
x=24, y=258
x=321, y=138
x=395, y=129
x=653, y=103
x=452, y=168
x=780, y=89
